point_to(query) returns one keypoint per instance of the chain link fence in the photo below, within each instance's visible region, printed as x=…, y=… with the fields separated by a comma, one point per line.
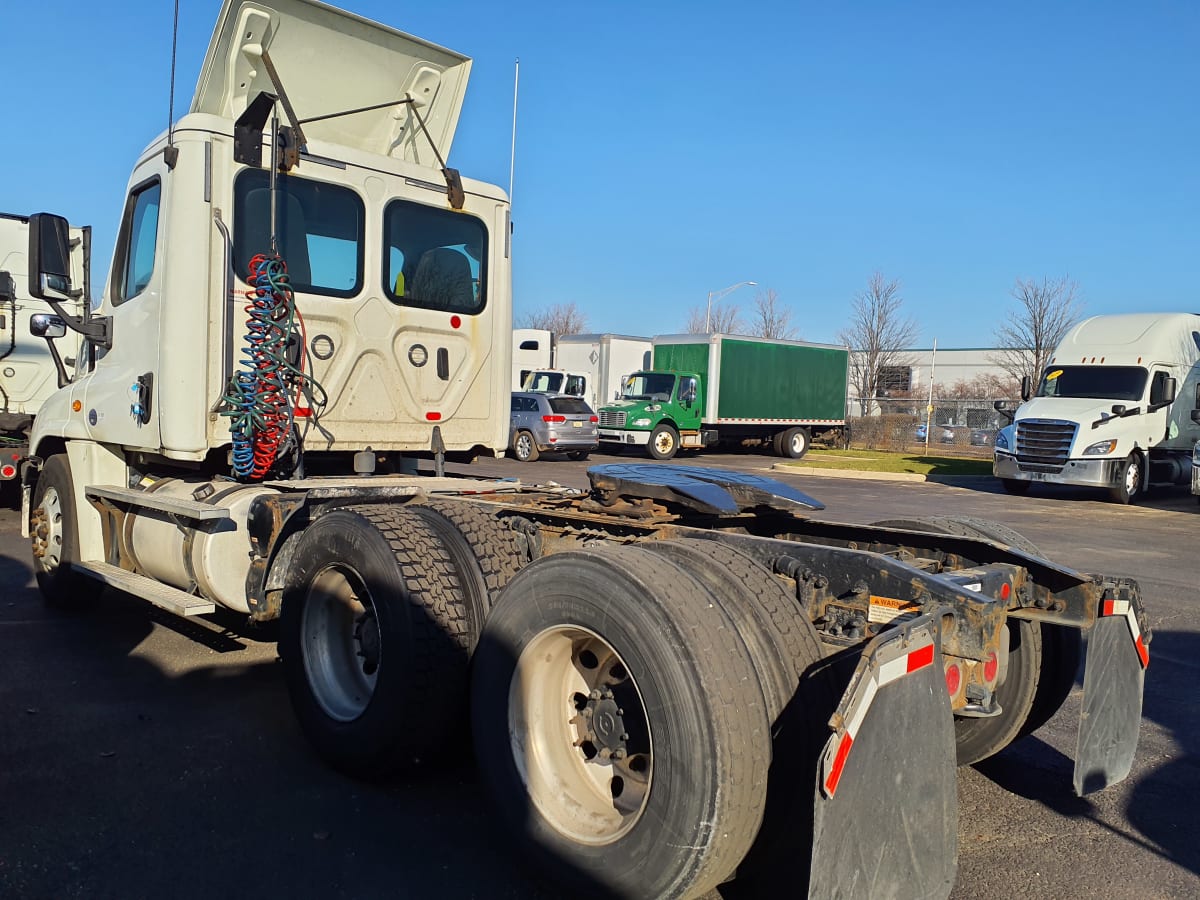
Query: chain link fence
x=960, y=427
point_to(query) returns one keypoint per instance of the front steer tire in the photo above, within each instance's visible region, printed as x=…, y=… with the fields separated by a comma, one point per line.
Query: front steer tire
x=56, y=539
x=664, y=442
x=375, y=634
x=585, y=642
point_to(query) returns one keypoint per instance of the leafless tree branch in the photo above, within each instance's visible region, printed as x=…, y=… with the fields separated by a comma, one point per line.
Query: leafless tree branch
x=561, y=318
x=878, y=334
x=1045, y=312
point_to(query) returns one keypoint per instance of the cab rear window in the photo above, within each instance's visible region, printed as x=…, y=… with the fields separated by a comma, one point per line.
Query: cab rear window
x=569, y=406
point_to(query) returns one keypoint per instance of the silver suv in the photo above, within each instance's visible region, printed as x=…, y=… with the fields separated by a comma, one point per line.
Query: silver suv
x=551, y=422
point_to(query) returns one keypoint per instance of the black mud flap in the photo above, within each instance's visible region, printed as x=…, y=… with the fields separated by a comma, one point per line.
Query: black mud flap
x=1113, y=678
x=886, y=818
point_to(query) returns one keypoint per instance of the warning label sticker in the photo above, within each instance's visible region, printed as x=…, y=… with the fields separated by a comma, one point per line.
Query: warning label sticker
x=886, y=609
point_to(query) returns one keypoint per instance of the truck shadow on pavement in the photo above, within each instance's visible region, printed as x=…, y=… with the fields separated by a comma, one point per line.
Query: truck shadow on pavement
x=133, y=763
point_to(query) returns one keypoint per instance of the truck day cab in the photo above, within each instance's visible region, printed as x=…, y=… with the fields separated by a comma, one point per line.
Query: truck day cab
x=673, y=678
x=1115, y=408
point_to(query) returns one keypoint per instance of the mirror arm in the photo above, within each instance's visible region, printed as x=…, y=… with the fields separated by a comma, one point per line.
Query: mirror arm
x=63, y=378
x=97, y=329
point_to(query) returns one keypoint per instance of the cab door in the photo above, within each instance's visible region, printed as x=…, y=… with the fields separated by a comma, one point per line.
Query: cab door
x=119, y=401
x=689, y=402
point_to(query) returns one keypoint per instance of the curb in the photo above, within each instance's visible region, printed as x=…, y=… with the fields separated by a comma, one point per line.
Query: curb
x=880, y=476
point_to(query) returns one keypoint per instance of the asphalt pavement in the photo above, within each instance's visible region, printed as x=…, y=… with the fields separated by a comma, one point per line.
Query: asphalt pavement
x=145, y=756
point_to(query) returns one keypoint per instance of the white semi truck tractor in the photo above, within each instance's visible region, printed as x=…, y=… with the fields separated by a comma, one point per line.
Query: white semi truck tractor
x=32, y=363
x=1115, y=408
x=675, y=677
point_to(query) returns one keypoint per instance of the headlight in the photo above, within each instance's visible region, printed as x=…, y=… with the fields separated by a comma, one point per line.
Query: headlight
x=641, y=423
x=1001, y=441
x=1101, y=449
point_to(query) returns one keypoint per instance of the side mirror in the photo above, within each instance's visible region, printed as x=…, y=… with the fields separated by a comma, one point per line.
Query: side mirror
x=1170, y=386
x=1000, y=405
x=49, y=257
x=1118, y=409
x=44, y=325
x=1026, y=387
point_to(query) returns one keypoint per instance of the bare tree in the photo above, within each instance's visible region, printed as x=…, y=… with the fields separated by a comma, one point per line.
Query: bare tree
x=725, y=318
x=878, y=336
x=770, y=318
x=560, y=319
x=1045, y=312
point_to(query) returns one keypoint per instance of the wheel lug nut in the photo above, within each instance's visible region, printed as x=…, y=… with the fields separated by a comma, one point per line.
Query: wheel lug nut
x=624, y=737
x=605, y=753
x=595, y=694
x=607, y=695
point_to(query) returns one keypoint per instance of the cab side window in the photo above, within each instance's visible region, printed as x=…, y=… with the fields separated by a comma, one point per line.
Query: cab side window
x=138, y=241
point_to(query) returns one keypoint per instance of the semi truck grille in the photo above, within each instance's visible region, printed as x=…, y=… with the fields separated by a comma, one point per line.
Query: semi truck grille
x=1043, y=445
x=612, y=419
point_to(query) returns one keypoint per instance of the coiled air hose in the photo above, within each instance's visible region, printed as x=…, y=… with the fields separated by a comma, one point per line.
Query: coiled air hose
x=264, y=393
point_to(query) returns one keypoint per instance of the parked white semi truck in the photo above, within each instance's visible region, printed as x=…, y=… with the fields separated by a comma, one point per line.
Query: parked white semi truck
x=32, y=363
x=1114, y=409
x=676, y=677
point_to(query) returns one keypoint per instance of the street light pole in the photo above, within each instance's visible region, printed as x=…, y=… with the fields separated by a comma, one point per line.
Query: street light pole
x=718, y=295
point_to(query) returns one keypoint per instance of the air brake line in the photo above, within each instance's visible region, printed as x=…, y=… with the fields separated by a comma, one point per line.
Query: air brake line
x=264, y=394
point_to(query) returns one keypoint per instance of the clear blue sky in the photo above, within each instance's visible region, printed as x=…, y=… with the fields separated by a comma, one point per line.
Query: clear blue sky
x=668, y=150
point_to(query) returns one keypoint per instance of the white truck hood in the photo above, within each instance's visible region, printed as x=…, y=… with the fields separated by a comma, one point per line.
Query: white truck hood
x=1073, y=409
x=330, y=61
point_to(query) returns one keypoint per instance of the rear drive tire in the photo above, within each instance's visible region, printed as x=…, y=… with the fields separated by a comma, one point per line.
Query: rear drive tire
x=799, y=696
x=55, y=540
x=525, y=447
x=374, y=637
x=624, y=655
x=664, y=442
x=795, y=443
x=1130, y=487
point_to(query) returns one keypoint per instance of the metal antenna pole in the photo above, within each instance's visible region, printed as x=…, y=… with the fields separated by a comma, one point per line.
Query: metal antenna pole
x=170, y=154
x=512, y=160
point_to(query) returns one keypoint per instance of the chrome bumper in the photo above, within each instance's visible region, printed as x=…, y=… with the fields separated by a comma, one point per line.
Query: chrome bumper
x=1089, y=472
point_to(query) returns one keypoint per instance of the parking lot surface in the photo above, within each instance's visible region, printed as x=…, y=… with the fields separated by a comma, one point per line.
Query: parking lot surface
x=142, y=755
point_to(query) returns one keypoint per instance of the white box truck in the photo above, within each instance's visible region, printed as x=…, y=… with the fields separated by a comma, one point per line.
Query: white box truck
x=32, y=366
x=605, y=359
x=1114, y=409
x=533, y=348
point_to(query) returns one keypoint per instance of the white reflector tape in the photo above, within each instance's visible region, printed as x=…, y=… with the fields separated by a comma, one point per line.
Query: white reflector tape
x=894, y=660
x=1125, y=608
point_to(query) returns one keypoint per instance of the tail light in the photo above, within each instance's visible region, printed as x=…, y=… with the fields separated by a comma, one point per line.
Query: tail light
x=554, y=419
x=594, y=419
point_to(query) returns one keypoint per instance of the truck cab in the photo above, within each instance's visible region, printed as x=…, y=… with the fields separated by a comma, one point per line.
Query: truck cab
x=1113, y=409
x=658, y=410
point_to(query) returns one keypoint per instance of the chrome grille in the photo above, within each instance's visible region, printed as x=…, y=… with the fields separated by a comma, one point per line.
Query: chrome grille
x=612, y=419
x=1043, y=445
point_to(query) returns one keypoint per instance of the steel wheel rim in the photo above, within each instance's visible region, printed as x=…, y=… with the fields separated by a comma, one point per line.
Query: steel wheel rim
x=340, y=642
x=579, y=735
x=52, y=543
x=1132, y=476
x=664, y=442
x=798, y=443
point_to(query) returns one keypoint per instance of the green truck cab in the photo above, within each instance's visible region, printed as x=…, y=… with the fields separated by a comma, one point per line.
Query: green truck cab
x=706, y=389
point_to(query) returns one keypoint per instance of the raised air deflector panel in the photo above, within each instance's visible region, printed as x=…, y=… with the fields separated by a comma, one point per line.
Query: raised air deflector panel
x=712, y=491
x=331, y=61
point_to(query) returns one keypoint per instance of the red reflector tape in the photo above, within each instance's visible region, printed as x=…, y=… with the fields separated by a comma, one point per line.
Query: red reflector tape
x=1125, y=608
x=839, y=763
x=919, y=659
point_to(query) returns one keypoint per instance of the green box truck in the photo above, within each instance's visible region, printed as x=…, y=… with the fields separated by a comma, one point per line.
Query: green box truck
x=710, y=388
